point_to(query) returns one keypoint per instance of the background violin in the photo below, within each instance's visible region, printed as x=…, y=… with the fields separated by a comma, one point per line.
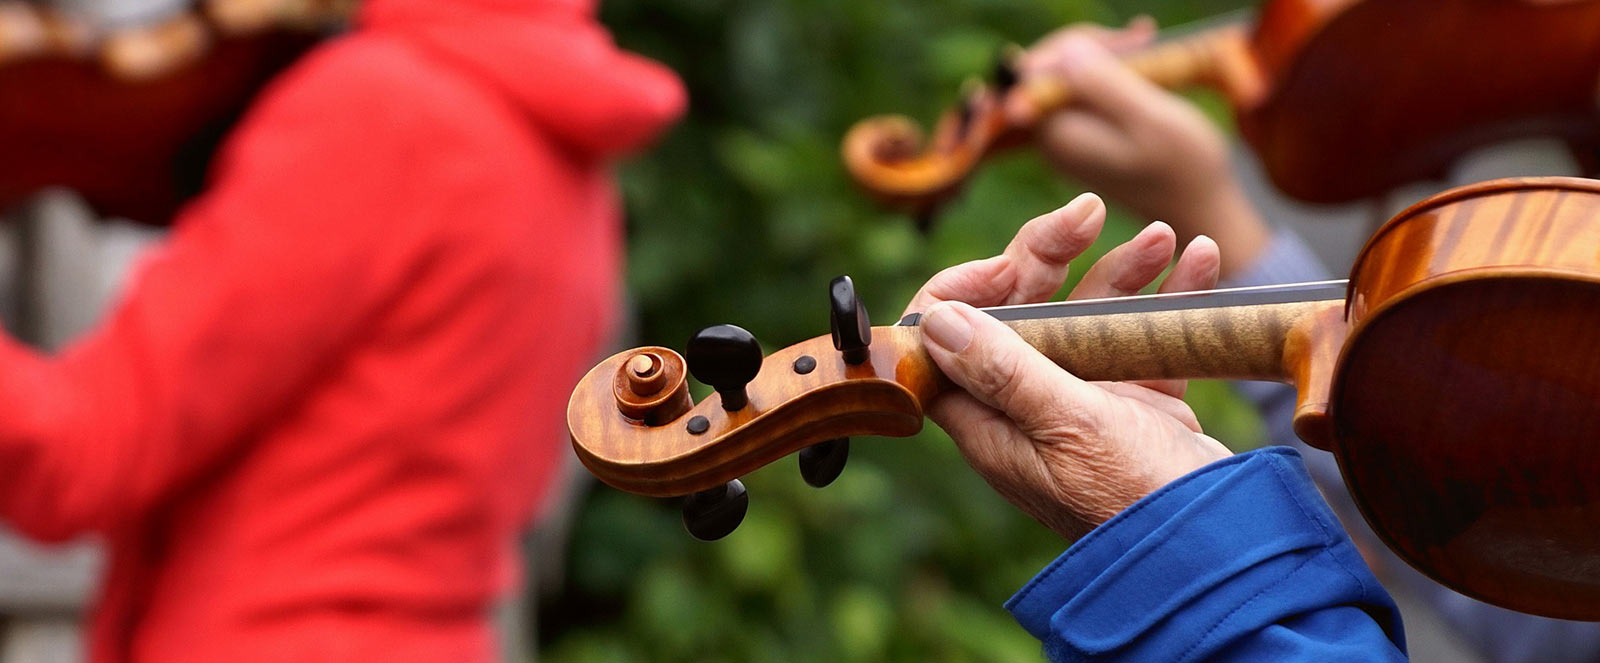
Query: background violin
x=1340, y=99
x=1454, y=376
x=129, y=115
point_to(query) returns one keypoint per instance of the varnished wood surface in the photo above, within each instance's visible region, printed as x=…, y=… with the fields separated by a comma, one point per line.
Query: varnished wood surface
x=1234, y=343
x=128, y=114
x=788, y=411
x=131, y=149
x=1365, y=96
x=1467, y=403
x=1534, y=223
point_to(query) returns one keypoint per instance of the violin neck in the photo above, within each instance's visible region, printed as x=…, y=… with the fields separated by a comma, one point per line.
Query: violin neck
x=1217, y=58
x=1240, y=334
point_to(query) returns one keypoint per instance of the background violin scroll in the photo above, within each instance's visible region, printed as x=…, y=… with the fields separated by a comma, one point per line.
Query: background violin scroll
x=887, y=156
x=892, y=161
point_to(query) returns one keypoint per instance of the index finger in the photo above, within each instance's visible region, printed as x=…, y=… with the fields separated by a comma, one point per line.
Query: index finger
x=1033, y=266
x=1139, y=32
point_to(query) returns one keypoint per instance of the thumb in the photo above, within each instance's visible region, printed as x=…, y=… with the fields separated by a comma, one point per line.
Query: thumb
x=990, y=361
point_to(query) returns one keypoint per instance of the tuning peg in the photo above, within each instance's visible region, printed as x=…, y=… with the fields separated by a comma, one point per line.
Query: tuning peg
x=712, y=514
x=727, y=358
x=1005, y=73
x=967, y=110
x=852, y=331
x=821, y=463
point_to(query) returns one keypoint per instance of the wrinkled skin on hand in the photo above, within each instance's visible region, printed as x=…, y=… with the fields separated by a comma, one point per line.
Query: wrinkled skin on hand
x=1069, y=453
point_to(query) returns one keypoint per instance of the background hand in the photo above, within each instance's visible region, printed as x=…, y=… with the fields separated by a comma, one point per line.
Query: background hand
x=1136, y=143
x=1069, y=453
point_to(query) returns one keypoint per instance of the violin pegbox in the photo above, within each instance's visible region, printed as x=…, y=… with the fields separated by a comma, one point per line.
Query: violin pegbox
x=635, y=426
x=820, y=464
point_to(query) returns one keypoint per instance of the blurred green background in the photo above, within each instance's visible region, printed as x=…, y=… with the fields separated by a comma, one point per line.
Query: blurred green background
x=742, y=215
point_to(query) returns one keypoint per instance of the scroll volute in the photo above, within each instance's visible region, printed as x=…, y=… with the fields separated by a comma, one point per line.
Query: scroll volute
x=656, y=443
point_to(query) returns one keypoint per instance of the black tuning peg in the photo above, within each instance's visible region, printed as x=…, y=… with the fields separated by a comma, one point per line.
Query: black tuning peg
x=967, y=110
x=821, y=463
x=1005, y=75
x=852, y=332
x=712, y=514
x=727, y=358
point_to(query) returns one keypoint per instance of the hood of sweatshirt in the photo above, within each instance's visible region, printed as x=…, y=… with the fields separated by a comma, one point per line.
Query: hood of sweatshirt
x=552, y=58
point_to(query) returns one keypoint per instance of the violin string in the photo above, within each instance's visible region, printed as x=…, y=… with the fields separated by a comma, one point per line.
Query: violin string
x=1200, y=299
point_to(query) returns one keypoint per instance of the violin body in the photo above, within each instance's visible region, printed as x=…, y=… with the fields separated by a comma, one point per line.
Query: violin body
x=1340, y=99
x=1358, y=97
x=1465, y=407
x=1456, y=376
x=129, y=114
x=134, y=149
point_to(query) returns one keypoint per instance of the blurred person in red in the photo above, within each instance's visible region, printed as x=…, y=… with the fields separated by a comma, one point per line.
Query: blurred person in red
x=316, y=421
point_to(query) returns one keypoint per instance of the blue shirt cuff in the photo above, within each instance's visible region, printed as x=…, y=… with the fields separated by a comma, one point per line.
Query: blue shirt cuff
x=1206, y=562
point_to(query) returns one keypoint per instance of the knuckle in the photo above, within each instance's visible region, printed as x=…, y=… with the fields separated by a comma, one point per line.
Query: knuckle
x=999, y=374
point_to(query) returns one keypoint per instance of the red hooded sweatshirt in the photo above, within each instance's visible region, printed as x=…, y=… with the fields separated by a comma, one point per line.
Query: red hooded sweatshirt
x=317, y=419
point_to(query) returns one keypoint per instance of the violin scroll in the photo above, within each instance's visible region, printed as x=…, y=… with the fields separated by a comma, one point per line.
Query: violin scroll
x=889, y=157
x=635, y=426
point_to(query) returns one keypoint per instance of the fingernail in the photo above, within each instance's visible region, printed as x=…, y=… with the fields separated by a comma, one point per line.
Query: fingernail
x=1083, y=203
x=947, y=327
x=1147, y=236
x=1155, y=233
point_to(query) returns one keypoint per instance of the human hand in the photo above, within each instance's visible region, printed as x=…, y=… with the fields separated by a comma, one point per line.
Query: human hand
x=1069, y=453
x=1136, y=143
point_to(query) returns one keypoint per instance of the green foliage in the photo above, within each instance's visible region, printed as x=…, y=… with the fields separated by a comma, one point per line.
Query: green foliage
x=742, y=215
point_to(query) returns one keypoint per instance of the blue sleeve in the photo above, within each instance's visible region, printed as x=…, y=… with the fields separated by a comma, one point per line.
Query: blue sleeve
x=1238, y=561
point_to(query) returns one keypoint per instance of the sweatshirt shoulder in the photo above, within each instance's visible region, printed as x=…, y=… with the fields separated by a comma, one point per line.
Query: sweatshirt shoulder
x=374, y=89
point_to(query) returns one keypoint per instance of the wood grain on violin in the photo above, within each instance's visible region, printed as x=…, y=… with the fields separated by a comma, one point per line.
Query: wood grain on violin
x=1456, y=376
x=1340, y=99
x=1466, y=407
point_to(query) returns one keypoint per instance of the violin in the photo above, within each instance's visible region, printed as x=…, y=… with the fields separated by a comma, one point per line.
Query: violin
x=129, y=115
x=1455, y=375
x=1340, y=99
